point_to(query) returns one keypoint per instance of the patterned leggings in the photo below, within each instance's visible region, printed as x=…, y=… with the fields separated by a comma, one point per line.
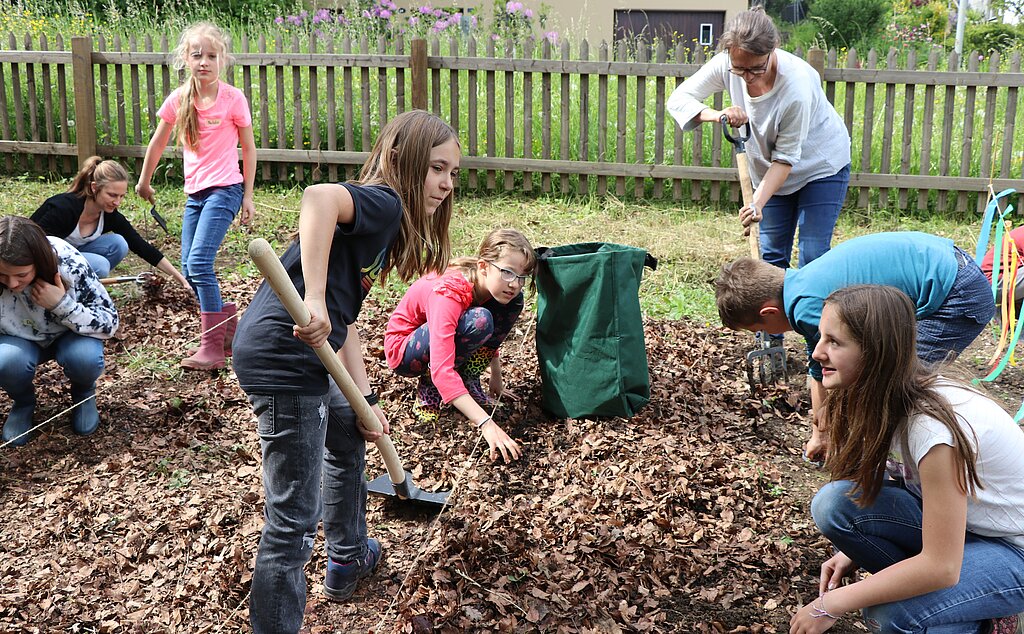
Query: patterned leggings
x=483, y=325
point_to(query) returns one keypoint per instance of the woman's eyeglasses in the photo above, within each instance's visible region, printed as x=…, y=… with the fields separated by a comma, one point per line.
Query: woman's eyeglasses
x=510, y=276
x=756, y=71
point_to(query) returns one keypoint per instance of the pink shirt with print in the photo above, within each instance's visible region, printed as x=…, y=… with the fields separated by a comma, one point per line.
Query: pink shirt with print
x=216, y=165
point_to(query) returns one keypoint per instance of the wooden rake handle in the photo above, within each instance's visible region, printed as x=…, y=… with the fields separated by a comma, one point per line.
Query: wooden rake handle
x=270, y=265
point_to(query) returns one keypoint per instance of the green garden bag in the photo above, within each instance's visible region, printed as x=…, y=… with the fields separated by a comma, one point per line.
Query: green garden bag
x=590, y=334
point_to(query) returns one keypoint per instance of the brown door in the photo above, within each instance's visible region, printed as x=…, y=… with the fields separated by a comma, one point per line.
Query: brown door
x=691, y=27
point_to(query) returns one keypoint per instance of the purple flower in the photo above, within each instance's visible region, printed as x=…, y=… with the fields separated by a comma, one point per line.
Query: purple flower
x=551, y=36
x=294, y=19
x=384, y=13
x=279, y=20
x=413, y=20
x=528, y=13
x=425, y=10
x=440, y=25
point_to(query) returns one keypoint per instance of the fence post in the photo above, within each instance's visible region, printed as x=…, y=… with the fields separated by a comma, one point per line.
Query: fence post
x=816, y=58
x=418, y=64
x=85, y=100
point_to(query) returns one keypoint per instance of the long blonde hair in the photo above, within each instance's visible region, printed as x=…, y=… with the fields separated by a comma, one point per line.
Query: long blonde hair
x=186, y=129
x=497, y=244
x=400, y=159
x=892, y=385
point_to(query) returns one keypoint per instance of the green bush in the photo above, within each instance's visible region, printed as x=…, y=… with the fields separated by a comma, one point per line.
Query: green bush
x=989, y=37
x=852, y=21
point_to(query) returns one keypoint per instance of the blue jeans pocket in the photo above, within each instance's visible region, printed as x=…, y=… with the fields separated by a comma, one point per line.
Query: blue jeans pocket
x=263, y=407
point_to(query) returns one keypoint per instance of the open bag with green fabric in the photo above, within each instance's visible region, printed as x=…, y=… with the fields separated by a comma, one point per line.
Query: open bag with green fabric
x=590, y=333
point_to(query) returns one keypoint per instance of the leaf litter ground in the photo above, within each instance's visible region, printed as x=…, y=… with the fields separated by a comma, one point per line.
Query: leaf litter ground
x=690, y=517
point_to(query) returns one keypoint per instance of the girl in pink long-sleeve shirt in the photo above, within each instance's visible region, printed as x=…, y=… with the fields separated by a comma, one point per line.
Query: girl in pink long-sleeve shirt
x=448, y=328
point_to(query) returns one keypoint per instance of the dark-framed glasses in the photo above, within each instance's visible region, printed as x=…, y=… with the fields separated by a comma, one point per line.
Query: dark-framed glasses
x=510, y=276
x=755, y=71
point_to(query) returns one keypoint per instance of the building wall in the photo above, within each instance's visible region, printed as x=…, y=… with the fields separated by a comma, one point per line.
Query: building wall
x=589, y=19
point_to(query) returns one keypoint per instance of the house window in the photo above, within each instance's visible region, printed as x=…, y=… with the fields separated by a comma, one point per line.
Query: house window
x=707, y=36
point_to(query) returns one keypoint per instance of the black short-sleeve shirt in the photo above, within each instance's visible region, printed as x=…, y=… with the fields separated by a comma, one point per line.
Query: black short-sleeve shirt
x=267, y=356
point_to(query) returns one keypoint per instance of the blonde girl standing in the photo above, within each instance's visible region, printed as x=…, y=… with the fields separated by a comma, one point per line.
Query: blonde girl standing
x=210, y=119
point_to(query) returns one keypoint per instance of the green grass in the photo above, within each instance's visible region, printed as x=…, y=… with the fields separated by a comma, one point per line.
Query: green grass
x=690, y=243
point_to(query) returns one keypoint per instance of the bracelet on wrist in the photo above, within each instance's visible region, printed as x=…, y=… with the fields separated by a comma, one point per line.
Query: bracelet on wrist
x=819, y=611
x=372, y=398
x=483, y=421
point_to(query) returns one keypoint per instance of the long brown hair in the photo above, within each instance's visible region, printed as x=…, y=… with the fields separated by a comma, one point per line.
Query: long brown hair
x=494, y=246
x=400, y=159
x=96, y=170
x=186, y=129
x=891, y=386
x=24, y=243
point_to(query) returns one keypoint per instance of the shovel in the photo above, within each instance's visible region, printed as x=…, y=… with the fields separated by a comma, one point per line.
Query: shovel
x=398, y=482
x=769, y=360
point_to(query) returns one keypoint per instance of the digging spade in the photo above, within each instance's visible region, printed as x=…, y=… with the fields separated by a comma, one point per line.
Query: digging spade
x=398, y=482
x=769, y=360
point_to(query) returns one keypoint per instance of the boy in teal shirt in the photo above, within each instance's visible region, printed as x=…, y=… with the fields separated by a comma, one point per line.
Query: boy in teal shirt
x=952, y=296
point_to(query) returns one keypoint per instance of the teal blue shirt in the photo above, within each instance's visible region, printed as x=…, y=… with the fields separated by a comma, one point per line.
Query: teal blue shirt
x=921, y=265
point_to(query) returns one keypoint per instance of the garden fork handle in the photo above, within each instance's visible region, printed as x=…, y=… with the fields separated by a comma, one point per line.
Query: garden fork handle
x=746, y=186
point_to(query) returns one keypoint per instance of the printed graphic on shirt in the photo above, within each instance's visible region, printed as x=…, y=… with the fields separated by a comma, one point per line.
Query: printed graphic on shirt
x=372, y=272
x=213, y=122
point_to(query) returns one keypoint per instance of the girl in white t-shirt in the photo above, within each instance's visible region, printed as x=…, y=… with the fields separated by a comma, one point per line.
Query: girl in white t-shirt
x=928, y=483
x=211, y=119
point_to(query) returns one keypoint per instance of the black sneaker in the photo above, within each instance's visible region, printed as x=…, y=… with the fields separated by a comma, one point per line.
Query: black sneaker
x=342, y=579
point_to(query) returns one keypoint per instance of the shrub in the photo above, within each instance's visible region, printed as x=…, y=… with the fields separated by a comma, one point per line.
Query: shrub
x=853, y=21
x=989, y=37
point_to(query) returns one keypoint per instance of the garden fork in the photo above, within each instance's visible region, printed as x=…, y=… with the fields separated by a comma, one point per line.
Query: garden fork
x=769, y=360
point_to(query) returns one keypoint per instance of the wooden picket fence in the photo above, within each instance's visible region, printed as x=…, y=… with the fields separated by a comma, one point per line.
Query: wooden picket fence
x=532, y=117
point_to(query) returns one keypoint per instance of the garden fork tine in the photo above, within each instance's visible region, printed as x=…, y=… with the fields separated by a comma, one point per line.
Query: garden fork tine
x=770, y=360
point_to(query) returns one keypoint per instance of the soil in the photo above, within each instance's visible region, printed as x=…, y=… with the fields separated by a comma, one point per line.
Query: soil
x=692, y=516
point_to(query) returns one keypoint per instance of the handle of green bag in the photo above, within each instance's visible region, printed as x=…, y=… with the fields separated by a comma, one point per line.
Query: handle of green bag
x=270, y=265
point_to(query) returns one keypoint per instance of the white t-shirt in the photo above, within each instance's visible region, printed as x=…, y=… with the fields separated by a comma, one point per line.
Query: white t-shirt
x=998, y=508
x=792, y=123
x=76, y=239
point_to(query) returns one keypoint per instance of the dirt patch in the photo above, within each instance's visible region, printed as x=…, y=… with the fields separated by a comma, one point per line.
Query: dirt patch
x=690, y=517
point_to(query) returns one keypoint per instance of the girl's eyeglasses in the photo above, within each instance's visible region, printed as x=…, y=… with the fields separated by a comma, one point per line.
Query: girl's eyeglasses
x=510, y=276
x=756, y=71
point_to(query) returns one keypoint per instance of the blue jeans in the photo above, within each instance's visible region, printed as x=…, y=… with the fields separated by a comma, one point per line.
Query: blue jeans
x=991, y=576
x=208, y=214
x=962, y=315
x=813, y=208
x=314, y=459
x=79, y=356
x=104, y=253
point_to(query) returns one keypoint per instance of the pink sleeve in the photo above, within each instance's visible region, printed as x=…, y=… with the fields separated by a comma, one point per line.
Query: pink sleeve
x=444, y=308
x=169, y=109
x=240, y=111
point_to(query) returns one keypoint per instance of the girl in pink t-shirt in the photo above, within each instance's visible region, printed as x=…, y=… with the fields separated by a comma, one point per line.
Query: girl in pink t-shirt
x=448, y=328
x=210, y=119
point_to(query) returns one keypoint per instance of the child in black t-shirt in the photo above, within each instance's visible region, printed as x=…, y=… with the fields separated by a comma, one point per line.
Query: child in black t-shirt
x=395, y=217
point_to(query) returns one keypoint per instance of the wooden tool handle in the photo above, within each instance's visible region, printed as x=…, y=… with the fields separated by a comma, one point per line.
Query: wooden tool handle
x=270, y=265
x=747, y=187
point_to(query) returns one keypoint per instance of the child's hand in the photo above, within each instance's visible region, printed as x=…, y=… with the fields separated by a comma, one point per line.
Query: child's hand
x=370, y=435
x=498, y=440
x=146, y=192
x=48, y=295
x=247, y=212
x=833, y=571
x=319, y=327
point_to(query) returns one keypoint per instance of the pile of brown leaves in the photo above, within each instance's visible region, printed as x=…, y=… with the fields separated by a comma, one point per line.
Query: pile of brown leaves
x=690, y=517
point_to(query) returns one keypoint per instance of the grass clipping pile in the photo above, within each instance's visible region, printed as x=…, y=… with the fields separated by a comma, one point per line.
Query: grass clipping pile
x=690, y=517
